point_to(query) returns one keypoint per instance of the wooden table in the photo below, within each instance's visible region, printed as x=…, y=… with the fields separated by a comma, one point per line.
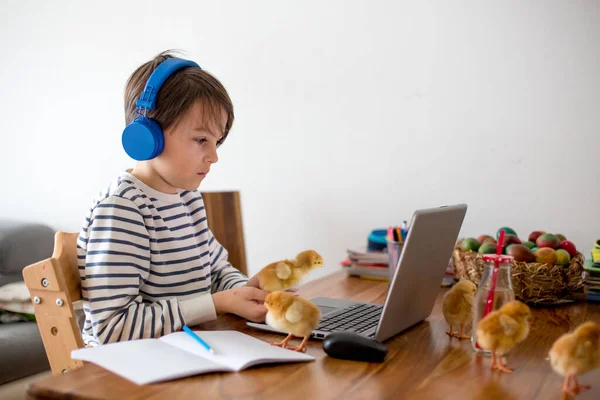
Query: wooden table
x=422, y=363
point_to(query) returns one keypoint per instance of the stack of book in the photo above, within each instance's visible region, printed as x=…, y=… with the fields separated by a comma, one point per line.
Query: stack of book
x=367, y=264
x=375, y=265
x=592, y=280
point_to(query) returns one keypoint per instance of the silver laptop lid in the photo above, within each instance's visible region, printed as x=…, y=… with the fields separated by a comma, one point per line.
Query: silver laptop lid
x=421, y=267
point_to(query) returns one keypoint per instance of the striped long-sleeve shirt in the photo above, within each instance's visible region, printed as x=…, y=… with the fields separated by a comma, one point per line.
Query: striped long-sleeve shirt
x=148, y=263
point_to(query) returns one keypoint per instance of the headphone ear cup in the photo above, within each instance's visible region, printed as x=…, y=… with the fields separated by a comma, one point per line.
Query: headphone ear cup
x=143, y=139
x=159, y=137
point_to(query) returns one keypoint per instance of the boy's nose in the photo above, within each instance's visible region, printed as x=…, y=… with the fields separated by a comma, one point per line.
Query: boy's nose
x=211, y=157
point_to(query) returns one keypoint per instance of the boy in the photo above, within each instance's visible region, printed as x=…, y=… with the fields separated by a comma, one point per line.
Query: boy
x=147, y=260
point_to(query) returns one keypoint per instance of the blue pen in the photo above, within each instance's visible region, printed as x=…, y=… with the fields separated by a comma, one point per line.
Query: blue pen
x=197, y=339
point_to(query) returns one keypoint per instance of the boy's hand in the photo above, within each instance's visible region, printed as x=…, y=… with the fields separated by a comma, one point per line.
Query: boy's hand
x=247, y=302
x=253, y=282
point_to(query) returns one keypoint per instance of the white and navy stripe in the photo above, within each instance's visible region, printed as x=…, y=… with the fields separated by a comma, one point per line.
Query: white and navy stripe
x=148, y=262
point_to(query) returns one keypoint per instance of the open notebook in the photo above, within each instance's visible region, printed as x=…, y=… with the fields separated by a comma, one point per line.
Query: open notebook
x=178, y=355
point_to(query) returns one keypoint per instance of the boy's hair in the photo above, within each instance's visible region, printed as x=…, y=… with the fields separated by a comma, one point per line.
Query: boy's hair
x=179, y=92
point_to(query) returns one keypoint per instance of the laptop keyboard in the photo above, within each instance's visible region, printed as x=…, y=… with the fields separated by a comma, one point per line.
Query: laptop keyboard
x=357, y=318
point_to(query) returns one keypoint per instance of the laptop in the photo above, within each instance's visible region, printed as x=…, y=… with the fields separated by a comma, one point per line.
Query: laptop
x=413, y=288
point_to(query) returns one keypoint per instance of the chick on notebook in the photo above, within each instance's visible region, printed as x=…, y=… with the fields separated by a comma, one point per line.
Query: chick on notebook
x=284, y=274
x=293, y=315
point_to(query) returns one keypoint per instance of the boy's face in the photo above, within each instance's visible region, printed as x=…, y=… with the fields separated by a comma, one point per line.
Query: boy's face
x=190, y=149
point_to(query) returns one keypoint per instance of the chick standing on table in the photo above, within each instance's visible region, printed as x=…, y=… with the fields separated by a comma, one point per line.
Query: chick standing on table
x=282, y=275
x=575, y=354
x=502, y=329
x=458, y=306
x=291, y=314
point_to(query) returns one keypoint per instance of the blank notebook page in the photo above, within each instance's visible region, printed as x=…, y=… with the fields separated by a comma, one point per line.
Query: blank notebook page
x=147, y=360
x=234, y=349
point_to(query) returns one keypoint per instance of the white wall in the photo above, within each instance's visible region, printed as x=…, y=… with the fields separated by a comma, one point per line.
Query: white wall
x=349, y=114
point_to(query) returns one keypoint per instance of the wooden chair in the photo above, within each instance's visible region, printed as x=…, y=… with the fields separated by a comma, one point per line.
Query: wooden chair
x=224, y=216
x=55, y=286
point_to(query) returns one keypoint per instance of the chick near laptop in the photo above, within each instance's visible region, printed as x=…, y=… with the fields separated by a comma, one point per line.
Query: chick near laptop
x=458, y=307
x=284, y=274
x=291, y=314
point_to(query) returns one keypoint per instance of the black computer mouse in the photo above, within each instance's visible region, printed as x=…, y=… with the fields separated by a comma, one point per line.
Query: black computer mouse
x=352, y=346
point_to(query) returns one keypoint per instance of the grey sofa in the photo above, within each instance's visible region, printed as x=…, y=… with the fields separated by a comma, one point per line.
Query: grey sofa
x=21, y=349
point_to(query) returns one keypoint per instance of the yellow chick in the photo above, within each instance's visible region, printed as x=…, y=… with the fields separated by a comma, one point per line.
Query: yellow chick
x=291, y=314
x=458, y=306
x=282, y=275
x=576, y=353
x=502, y=329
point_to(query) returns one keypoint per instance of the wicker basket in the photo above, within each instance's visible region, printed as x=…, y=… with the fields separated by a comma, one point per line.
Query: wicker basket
x=533, y=283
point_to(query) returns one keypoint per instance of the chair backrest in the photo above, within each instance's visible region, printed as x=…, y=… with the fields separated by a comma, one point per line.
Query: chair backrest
x=224, y=217
x=54, y=285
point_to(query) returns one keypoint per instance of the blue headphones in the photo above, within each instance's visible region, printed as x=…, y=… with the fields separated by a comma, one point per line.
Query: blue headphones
x=143, y=139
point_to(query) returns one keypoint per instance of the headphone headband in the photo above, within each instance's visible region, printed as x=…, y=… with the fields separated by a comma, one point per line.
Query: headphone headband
x=147, y=99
